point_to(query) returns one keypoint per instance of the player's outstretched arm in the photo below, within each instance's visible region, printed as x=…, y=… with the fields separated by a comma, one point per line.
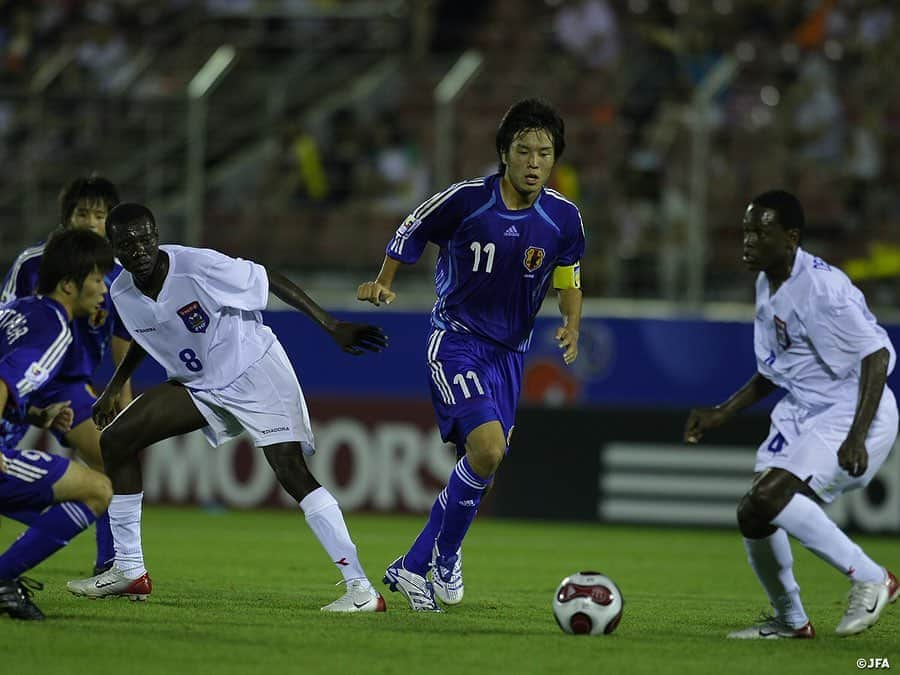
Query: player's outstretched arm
x=379, y=291
x=701, y=419
x=852, y=455
x=108, y=404
x=353, y=338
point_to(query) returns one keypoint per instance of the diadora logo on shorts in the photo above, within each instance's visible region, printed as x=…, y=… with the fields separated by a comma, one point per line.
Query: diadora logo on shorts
x=534, y=258
x=274, y=430
x=195, y=317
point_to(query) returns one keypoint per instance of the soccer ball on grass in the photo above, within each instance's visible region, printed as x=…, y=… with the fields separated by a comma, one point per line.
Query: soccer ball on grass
x=588, y=603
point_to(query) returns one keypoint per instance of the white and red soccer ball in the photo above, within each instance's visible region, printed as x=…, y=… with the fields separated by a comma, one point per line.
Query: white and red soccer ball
x=588, y=603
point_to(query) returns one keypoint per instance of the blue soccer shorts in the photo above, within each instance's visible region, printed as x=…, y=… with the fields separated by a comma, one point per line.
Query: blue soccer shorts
x=472, y=382
x=26, y=487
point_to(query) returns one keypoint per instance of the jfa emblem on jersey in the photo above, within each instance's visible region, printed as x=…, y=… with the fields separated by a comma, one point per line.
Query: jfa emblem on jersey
x=194, y=317
x=781, y=334
x=36, y=374
x=534, y=258
x=98, y=318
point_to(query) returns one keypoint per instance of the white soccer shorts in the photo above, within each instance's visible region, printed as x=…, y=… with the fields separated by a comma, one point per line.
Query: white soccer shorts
x=812, y=453
x=266, y=401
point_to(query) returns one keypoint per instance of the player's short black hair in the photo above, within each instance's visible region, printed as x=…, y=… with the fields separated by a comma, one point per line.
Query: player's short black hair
x=786, y=205
x=71, y=255
x=92, y=188
x=527, y=115
x=127, y=213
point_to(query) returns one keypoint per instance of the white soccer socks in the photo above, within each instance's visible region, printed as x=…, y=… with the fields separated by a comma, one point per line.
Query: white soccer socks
x=327, y=522
x=773, y=563
x=810, y=525
x=125, y=523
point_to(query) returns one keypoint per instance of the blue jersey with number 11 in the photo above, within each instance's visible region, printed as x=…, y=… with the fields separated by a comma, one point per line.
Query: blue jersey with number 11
x=495, y=265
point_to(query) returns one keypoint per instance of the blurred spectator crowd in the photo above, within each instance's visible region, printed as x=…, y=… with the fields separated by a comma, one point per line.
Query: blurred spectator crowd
x=812, y=106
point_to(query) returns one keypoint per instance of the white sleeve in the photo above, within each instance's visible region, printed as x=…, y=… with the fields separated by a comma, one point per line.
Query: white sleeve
x=841, y=332
x=237, y=283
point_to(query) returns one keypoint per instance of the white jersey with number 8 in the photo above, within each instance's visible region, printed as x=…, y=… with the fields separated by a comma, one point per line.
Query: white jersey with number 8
x=205, y=328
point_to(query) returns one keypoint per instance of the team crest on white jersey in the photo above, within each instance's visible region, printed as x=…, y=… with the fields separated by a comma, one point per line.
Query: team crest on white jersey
x=534, y=258
x=781, y=334
x=195, y=317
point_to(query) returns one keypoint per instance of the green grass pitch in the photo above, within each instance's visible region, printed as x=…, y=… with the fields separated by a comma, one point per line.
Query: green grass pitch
x=239, y=592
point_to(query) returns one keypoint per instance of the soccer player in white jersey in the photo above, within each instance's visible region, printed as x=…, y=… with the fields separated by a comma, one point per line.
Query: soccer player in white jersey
x=197, y=313
x=815, y=337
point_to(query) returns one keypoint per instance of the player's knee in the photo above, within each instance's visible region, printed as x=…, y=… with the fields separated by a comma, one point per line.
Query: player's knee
x=485, y=460
x=768, y=499
x=751, y=524
x=756, y=511
x=747, y=520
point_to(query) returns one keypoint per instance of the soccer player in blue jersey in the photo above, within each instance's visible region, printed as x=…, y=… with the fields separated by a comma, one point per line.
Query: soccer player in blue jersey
x=57, y=498
x=84, y=204
x=504, y=240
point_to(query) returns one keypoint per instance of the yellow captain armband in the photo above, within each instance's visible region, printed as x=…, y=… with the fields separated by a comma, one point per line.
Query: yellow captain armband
x=567, y=277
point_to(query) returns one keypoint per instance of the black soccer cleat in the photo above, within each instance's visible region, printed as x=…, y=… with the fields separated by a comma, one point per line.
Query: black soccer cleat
x=15, y=598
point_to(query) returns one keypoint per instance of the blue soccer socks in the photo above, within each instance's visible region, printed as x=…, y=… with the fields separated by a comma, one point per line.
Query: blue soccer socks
x=106, y=552
x=464, y=492
x=418, y=558
x=48, y=533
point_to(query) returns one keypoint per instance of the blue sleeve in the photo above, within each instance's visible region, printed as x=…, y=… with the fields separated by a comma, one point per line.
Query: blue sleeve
x=34, y=359
x=573, y=250
x=433, y=221
x=21, y=279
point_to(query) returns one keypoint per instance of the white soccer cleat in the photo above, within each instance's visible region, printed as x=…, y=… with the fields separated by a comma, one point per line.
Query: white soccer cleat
x=112, y=583
x=415, y=588
x=447, y=578
x=358, y=599
x=866, y=602
x=772, y=628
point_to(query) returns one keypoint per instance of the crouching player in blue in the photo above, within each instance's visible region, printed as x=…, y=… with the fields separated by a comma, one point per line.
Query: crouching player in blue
x=503, y=239
x=56, y=498
x=83, y=204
